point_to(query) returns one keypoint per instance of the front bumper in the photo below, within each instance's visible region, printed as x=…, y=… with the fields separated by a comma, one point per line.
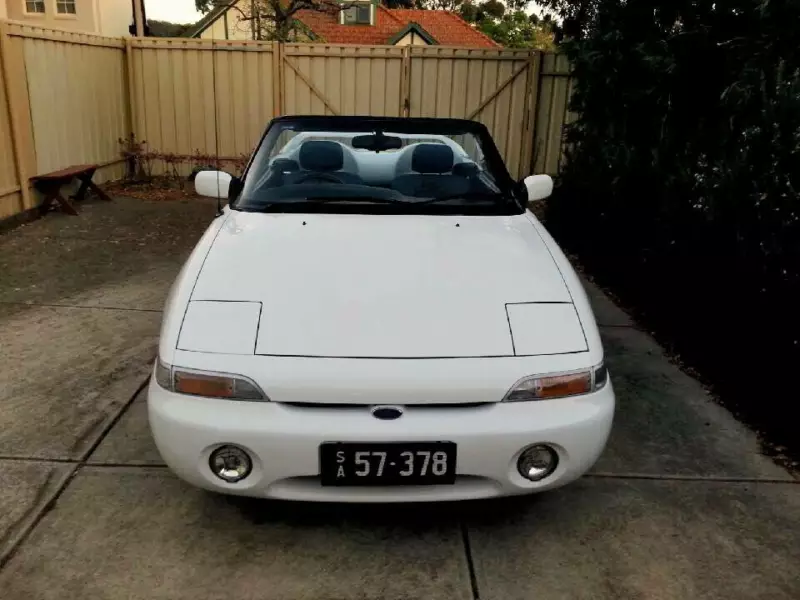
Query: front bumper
x=283, y=441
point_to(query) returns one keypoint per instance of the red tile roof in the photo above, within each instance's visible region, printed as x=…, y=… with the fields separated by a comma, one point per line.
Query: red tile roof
x=446, y=28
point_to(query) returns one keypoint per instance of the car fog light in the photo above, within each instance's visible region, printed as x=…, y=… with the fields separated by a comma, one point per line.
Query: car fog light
x=537, y=462
x=230, y=463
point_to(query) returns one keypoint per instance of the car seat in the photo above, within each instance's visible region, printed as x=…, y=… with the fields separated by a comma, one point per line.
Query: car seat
x=324, y=157
x=431, y=173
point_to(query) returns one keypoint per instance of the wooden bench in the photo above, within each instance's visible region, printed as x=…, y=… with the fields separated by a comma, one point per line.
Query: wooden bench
x=50, y=185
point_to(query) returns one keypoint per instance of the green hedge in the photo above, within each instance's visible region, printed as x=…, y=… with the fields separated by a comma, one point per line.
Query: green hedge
x=681, y=186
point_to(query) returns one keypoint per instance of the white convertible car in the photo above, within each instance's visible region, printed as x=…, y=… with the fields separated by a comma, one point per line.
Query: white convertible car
x=375, y=316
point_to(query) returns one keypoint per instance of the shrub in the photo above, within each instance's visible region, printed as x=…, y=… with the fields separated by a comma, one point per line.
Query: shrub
x=681, y=184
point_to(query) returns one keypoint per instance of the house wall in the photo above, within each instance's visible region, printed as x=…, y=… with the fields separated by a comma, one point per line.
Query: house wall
x=114, y=17
x=3, y=10
x=82, y=20
x=215, y=32
x=411, y=39
x=237, y=29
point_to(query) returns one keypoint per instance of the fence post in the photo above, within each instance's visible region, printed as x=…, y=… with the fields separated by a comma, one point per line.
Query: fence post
x=132, y=108
x=405, y=83
x=534, y=85
x=16, y=85
x=278, y=79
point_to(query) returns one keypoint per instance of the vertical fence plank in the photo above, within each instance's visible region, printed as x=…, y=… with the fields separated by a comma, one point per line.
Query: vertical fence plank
x=473, y=90
x=138, y=94
x=500, y=116
x=534, y=77
x=224, y=102
x=10, y=177
x=165, y=76
x=252, y=114
x=458, y=100
x=363, y=86
x=377, y=97
x=177, y=68
x=241, y=96
x=131, y=90
x=208, y=120
x=17, y=101
x=277, y=79
x=405, y=83
x=152, y=99
x=195, y=113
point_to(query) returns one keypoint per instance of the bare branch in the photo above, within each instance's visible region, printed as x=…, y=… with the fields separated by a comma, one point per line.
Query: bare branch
x=237, y=9
x=275, y=19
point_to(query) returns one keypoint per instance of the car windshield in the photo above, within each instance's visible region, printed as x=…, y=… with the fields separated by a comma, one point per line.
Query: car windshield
x=413, y=166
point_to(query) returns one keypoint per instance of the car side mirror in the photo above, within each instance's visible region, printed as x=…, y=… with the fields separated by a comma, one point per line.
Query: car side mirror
x=538, y=186
x=213, y=184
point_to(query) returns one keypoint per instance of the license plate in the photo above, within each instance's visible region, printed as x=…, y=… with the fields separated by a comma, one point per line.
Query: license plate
x=396, y=463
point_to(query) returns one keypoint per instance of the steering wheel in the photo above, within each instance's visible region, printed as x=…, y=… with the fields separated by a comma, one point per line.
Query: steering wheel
x=318, y=177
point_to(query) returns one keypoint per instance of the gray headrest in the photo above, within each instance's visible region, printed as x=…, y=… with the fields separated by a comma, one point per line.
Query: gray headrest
x=432, y=158
x=321, y=155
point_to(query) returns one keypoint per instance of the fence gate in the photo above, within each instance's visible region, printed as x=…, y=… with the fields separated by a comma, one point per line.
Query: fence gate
x=216, y=96
x=324, y=79
x=495, y=87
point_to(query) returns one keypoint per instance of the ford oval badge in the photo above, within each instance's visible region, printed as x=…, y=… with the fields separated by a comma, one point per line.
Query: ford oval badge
x=387, y=413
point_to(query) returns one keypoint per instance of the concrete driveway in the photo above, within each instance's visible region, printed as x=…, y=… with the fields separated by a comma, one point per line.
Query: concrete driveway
x=682, y=505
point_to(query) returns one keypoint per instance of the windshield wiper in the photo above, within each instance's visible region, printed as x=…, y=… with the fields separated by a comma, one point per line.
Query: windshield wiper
x=493, y=197
x=353, y=199
x=287, y=202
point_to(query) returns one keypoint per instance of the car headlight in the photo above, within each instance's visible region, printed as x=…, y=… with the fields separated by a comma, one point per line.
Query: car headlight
x=208, y=385
x=558, y=385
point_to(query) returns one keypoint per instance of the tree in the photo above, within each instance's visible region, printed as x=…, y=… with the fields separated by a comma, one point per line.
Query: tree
x=273, y=19
x=469, y=12
x=450, y=5
x=517, y=30
x=493, y=8
x=511, y=28
x=167, y=29
x=576, y=16
x=517, y=5
x=680, y=184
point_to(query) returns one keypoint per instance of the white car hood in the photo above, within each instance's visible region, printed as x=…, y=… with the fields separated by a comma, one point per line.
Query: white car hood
x=394, y=286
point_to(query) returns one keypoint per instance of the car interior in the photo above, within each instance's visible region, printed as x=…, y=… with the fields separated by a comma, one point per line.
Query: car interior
x=422, y=169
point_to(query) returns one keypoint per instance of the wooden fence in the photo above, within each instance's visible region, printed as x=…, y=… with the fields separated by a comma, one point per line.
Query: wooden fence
x=68, y=98
x=63, y=101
